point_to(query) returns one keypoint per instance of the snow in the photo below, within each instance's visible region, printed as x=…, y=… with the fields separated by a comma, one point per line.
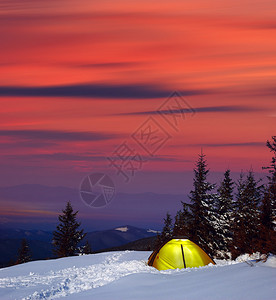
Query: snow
x=271, y=262
x=246, y=257
x=153, y=231
x=122, y=229
x=126, y=275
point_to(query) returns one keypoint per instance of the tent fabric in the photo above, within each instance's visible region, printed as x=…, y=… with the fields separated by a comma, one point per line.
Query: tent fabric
x=179, y=253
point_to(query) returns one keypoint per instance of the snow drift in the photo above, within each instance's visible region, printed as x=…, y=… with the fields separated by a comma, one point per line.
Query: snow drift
x=125, y=275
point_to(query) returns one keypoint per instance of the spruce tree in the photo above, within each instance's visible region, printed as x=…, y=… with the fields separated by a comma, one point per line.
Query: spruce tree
x=178, y=227
x=267, y=239
x=167, y=229
x=87, y=248
x=24, y=253
x=67, y=235
x=272, y=175
x=224, y=212
x=202, y=213
x=166, y=233
x=254, y=195
x=268, y=207
x=238, y=245
x=246, y=220
x=182, y=222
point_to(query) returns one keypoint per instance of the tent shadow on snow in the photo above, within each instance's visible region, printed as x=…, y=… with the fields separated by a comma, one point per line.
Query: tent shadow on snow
x=179, y=253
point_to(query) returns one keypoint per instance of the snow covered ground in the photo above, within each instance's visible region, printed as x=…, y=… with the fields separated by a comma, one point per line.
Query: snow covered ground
x=125, y=275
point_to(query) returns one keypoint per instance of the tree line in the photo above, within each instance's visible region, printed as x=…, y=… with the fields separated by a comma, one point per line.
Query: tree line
x=225, y=221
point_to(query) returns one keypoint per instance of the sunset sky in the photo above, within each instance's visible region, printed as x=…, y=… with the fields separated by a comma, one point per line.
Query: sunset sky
x=79, y=79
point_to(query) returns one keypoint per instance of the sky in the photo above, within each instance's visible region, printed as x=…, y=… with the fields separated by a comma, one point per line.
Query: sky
x=135, y=90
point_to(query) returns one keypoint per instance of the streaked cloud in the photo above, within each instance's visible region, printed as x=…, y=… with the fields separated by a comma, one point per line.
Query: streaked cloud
x=216, y=145
x=58, y=135
x=59, y=156
x=63, y=156
x=262, y=91
x=26, y=144
x=109, y=65
x=207, y=109
x=123, y=91
x=169, y=158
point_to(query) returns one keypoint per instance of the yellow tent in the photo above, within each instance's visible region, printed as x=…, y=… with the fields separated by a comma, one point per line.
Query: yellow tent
x=179, y=253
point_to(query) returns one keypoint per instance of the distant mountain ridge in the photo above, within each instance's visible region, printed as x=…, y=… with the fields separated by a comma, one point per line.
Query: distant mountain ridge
x=12, y=233
x=38, y=206
x=117, y=236
x=40, y=241
x=145, y=244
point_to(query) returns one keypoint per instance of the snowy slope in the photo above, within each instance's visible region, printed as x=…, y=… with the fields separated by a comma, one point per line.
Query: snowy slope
x=125, y=275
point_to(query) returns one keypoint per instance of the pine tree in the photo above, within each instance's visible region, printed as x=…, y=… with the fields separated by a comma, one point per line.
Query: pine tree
x=166, y=233
x=202, y=213
x=268, y=207
x=224, y=212
x=238, y=245
x=272, y=176
x=267, y=239
x=182, y=222
x=246, y=220
x=67, y=236
x=254, y=195
x=178, y=227
x=24, y=253
x=167, y=229
x=87, y=248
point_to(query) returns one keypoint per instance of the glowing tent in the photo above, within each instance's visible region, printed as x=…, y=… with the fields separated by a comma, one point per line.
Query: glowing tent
x=179, y=253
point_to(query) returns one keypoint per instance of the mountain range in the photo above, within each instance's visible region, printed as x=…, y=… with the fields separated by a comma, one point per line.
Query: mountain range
x=40, y=242
x=34, y=206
